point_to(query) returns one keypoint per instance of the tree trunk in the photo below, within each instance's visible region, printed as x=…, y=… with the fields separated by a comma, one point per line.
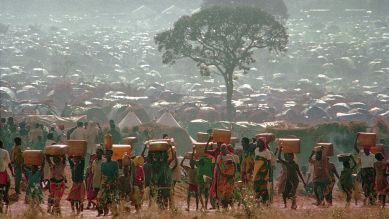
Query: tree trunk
x=230, y=90
x=229, y=102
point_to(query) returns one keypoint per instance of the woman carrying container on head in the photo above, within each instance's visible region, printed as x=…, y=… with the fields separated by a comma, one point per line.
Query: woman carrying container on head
x=77, y=192
x=225, y=177
x=367, y=172
x=109, y=194
x=57, y=183
x=262, y=168
x=321, y=176
x=293, y=173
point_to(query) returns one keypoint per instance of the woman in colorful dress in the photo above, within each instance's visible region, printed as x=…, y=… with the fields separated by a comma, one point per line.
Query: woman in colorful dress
x=108, y=196
x=247, y=160
x=261, y=173
x=225, y=181
x=57, y=183
x=91, y=193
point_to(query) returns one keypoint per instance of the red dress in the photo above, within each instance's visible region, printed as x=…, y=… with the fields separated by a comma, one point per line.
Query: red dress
x=381, y=184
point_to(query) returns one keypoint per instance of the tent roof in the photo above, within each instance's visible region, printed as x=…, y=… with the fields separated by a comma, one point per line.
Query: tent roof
x=129, y=121
x=168, y=120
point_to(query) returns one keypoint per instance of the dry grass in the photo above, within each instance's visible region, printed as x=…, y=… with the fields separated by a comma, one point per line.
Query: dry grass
x=260, y=213
x=248, y=209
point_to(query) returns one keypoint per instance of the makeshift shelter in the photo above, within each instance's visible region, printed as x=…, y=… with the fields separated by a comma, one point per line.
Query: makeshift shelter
x=7, y=93
x=168, y=120
x=129, y=121
x=182, y=139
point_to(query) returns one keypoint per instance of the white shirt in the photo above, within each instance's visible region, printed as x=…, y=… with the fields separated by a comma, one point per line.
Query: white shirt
x=266, y=153
x=91, y=135
x=4, y=160
x=367, y=161
x=78, y=134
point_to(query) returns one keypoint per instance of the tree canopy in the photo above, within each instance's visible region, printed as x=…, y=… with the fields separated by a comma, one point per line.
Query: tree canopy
x=222, y=38
x=273, y=7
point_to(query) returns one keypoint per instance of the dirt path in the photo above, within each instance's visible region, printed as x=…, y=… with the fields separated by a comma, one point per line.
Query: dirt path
x=18, y=208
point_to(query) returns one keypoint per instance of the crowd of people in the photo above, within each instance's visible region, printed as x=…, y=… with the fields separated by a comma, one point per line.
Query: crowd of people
x=222, y=176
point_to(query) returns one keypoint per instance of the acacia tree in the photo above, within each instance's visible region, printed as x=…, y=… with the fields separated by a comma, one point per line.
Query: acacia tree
x=224, y=38
x=273, y=7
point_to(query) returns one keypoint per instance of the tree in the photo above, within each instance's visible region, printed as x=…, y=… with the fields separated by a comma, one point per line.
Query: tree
x=224, y=39
x=273, y=7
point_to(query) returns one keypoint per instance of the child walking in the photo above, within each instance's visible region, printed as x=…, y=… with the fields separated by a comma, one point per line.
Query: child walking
x=139, y=183
x=77, y=192
x=292, y=178
x=346, y=179
x=192, y=184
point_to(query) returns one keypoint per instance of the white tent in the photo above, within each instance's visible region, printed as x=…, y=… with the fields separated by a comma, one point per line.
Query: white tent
x=168, y=120
x=129, y=121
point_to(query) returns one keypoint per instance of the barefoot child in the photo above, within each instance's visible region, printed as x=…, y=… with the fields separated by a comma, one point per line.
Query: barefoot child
x=292, y=178
x=381, y=183
x=346, y=180
x=204, y=178
x=192, y=184
x=77, y=192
